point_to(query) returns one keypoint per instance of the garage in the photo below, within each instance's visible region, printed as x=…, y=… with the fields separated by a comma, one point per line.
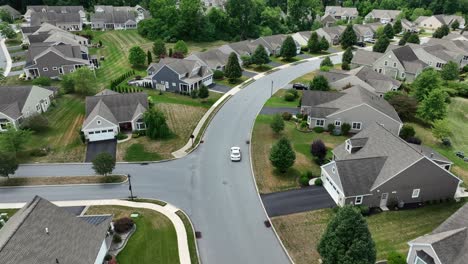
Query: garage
x=331, y=189
x=103, y=134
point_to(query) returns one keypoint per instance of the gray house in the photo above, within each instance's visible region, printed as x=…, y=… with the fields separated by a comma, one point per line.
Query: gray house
x=328, y=20
x=447, y=244
x=19, y=102
x=273, y=44
x=109, y=113
x=178, y=75
x=15, y=14
x=363, y=76
x=457, y=49
x=42, y=232
x=399, y=63
x=339, y=12
x=383, y=16
x=364, y=58
x=302, y=37
x=355, y=105
x=363, y=32
x=117, y=17
x=377, y=168
x=331, y=34
x=66, y=17
x=49, y=33
x=212, y=58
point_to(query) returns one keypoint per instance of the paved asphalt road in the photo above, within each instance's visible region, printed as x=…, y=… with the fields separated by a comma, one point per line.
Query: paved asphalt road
x=219, y=195
x=296, y=201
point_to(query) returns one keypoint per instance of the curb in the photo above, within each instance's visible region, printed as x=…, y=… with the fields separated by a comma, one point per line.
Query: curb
x=7, y=57
x=64, y=185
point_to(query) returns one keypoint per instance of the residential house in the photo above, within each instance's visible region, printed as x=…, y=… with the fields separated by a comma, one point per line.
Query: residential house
x=331, y=34
x=364, y=33
x=15, y=14
x=408, y=26
x=117, y=17
x=364, y=58
x=214, y=3
x=447, y=244
x=457, y=36
x=214, y=59
x=382, y=16
x=20, y=102
x=109, y=113
x=328, y=20
x=44, y=59
x=400, y=63
x=355, y=105
x=376, y=168
x=42, y=232
x=343, y=13
x=458, y=49
x=273, y=44
x=302, y=37
x=178, y=75
x=48, y=33
x=436, y=55
x=69, y=18
x=436, y=21
x=241, y=48
x=363, y=76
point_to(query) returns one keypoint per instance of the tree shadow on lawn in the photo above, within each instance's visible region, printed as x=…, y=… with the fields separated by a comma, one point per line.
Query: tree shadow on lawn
x=292, y=175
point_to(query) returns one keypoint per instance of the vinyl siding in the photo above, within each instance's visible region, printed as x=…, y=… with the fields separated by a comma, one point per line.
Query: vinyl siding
x=167, y=75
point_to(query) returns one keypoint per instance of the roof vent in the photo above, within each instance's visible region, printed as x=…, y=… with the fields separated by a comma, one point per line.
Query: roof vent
x=432, y=155
x=47, y=231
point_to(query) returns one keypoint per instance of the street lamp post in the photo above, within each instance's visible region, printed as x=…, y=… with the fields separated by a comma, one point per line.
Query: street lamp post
x=271, y=90
x=130, y=186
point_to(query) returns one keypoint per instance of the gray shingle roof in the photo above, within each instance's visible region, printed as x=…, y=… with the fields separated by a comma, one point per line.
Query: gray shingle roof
x=66, y=51
x=12, y=99
x=13, y=12
x=114, y=14
x=213, y=58
x=408, y=59
x=341, y=11
x=364, y=57
x=69, y=239
x=56, y=9
x=191, y=70
x=382, y=13
x=54, y=18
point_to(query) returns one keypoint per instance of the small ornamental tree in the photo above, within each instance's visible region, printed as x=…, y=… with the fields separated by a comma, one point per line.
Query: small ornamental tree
x=404, y=38
x=405, y=106
x=397, y=27
x=233, y=70
x=326, y=62
x=347, y=239
x=203, y=92
x=427, y=81
x=156, y=126
x=8, y=164
x=136, y=56
x=181, y=47
x=42, y=81
x=388, y=31
x=318, y=150
x=434, y=106
x=319, y=83
x=14, y=140
x=149, y=57
x=407, y=131
x=441, y=129
x=381, y=44
x=277, y=124
x=396, y=258
x=313, y=44
x=260, y=56
x=159, y=48
x=123, y=225
x=455, y=25
x=348, y=55
x=348, y=38
x=282, y=155
x=288, y=49
x=450, y=71
x=103, y=163
x=324, y=45
x=345, y=128
x=413, y=38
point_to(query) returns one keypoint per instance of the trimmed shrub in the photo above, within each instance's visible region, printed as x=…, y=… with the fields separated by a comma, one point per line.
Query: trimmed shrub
x=218, y=75
x=39, y=152
x=123, y=225
x=304, y=124
x=36, y=122
x=42, y=81
x=121, y=136
x=446, y=142
x=331, y=128
x=289, y=97
x=286, y=116
x=309, y=174
x=345, y=128
x=318, y=182
x=117, y=239
x=299, y=116
x=407, y=131
x=294, y=92
x=318, y=129
x=304, y=181
x=414, y=140
x=364, y=210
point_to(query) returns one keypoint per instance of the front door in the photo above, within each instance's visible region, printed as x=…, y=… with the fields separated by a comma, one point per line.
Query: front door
x=383, y=199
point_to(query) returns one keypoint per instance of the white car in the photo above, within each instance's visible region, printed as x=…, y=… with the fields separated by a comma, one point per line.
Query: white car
x=235, y=154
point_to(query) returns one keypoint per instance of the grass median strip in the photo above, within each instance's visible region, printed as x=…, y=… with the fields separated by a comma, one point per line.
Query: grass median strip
x=29, y=181
x=190, y=237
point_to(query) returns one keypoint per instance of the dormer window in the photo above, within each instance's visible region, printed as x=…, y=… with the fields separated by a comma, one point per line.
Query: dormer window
x=348, y=146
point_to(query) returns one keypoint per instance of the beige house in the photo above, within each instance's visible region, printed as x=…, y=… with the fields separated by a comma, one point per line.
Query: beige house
x=435, y=22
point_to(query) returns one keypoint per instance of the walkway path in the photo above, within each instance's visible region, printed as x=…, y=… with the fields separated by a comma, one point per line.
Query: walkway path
x=5, y=59
x=168, y=210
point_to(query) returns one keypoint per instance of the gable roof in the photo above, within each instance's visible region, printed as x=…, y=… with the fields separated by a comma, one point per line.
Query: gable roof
x=53, y=18
x=383, y=13
x=190, y=70
x=341, y=11
x=408, y=58
x=212, y=58
x=114, y=14
x=365, y=57
x=13, y=99
x=115, y=108
x=68, y=52
x=13, y=12
x=41, y=232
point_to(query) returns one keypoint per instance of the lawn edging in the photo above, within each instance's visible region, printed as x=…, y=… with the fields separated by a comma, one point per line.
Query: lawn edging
x=124, y=176
x=188, y=224
x=168, y=211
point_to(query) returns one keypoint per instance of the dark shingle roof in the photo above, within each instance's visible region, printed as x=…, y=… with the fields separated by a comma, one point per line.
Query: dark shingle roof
x=53, y=18
x=12, y=99
x=41, y=232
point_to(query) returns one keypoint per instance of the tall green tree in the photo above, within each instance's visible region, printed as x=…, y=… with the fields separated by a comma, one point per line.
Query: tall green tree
x=84, y=81
x=433, y=107
x=301, y=15
x=272, y=18
x=7, y=31
x=440, y=129
x=348, y=38
x=149, y=57
x=348, y=55
x=451, y=6
x=103, y=163
x=190, y=21
x=413, y=38
x=319, y=83
x=159, y=48
x=313, y=44
x=388, y=31
x=156, y=126
x=260, y=56
x=282, y=155
x=277, y=123
x=8, y=164
x=218, y=19
x=326, y=62
x=288, y=49
x=161, y=25
x=324, y=45
x=14, y=140
x=404, y=38
x=241, y=14
x=397, y=27
x=181, y=47
x=381, y=44
x=203, y=92
x=426, y=82
x=233, y=70
x=347, y=239
x=450, y=71
x=455, y=24
x=136, y=56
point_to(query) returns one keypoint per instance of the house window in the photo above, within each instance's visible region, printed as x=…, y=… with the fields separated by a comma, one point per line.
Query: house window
x=415, y=193
x=319, y=122
x=439, y=65
x=45, y=69
x=357, y=125
x=348, y=147
x=394, y=65
x=91, y=132
x=418, y=260
x=98, y=122
x=386, y=63
x=465, y=57
x=358, y=200
x=140, y=124
x=380, y=70
x=38, y=107
x=337, y=123
x=173, y=84
x=403, y=75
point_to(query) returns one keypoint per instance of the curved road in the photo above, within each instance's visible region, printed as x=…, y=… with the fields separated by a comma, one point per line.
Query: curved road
x=219, y=195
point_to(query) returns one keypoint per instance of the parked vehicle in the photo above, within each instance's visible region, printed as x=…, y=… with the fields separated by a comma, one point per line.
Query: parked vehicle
x=460, y=154
x=299, y=86
x=235, y=154
x=361, y=44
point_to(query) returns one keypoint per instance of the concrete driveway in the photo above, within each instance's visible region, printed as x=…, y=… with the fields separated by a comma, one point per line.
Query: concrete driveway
x=296, y=201
x=98, y=147
x=249, y=74
x=219, y=88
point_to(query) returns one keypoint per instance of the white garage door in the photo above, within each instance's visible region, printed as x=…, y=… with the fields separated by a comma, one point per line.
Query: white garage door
x=330, y=189
x=101, y=135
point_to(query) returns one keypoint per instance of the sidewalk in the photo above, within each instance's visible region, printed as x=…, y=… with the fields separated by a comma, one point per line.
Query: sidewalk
x=167, y=210
x=6, y=58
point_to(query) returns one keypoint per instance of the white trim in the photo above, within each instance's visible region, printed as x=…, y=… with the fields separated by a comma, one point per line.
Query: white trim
x=92, y=120
x=361, y=197
x=415, y=193
x=319, y=119
x=336, y=121
x=360, y=125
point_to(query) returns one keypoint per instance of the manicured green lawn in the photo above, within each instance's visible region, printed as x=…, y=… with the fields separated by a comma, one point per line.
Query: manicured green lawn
x=269, y=179
x=391, y=231
x=226, y=82
x=174, y=98
x=154, y=241
x=277, y=100
x=281, y=60
x=137, y=152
